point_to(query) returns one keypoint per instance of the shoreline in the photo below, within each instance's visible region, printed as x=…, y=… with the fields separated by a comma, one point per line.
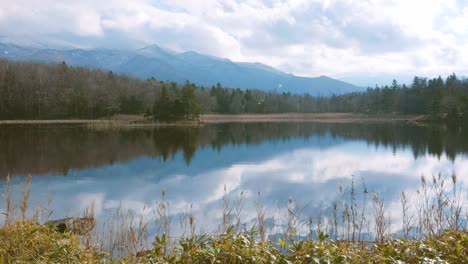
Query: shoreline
x=232, y=118
x=310, y=117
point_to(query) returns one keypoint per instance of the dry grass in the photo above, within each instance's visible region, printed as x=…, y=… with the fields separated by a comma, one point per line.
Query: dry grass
x=313, y=117
x=137, y=120
x=432, y=229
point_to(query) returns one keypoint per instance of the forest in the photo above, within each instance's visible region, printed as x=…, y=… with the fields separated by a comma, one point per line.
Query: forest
x=58, y=91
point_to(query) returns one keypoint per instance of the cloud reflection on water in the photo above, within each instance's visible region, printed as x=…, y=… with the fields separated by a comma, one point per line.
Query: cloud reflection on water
x=304, y=169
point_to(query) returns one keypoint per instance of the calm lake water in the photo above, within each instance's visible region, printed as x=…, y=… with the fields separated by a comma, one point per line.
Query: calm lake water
x=307, y=162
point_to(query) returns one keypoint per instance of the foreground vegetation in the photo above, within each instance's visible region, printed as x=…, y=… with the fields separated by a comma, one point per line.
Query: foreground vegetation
x=42, y=91
x=26, y=241
x=433, y=230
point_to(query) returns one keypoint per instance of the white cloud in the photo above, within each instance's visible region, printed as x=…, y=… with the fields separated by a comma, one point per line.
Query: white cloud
x=342, y=38
x=89, y=23
x=87, y=201
x=312, y=172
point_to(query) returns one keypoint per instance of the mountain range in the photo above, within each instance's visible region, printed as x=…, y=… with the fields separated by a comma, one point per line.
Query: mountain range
x=167, y=65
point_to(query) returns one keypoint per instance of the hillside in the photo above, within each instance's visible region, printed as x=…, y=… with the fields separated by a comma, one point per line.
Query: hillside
x=166, y=65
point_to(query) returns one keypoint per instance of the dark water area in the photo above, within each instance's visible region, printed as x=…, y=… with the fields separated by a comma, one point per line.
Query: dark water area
x=129, y=167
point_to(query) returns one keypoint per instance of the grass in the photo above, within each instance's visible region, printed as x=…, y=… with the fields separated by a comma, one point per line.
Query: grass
x=27, y=241
x=356, y=229
x=135, y=120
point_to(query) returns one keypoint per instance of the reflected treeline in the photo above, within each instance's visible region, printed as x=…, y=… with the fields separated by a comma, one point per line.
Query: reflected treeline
x=41, y=149
x=422, y=140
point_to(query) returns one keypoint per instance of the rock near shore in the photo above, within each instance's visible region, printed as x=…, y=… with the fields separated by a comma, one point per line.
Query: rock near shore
x=77, y=226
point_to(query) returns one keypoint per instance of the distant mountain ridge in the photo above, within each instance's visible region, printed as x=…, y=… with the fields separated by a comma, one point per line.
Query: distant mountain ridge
x=167, y=65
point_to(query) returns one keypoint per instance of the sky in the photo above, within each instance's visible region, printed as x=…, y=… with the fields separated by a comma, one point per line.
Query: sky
x=365, y=42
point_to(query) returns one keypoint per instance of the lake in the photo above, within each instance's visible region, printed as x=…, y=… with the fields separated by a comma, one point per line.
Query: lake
x=277, y=164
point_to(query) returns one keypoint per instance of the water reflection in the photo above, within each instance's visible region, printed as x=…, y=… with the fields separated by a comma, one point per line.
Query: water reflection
x=57, y=149
x=128, y=168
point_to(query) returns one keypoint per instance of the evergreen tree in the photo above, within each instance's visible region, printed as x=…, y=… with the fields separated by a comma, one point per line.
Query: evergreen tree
x=178, y=110
x=189, y=102
x=162, y=107
x=436, y=102
x=464, y=109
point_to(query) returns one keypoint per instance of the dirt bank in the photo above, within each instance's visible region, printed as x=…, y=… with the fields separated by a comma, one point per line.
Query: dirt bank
x=221, y=118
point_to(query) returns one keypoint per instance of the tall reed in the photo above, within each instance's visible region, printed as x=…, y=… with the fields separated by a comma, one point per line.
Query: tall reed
x=438, y=205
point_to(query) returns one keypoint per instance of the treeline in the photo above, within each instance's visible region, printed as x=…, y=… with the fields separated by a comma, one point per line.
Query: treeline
x=182, y=105
x=44, y=91
x=435, y=97
x=438, y=98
